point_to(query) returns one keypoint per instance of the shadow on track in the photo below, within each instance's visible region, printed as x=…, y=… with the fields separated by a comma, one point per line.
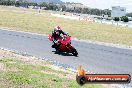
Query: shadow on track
x=63, y=54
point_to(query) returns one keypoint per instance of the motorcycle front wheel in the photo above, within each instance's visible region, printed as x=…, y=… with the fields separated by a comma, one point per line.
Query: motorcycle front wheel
x=74, y=51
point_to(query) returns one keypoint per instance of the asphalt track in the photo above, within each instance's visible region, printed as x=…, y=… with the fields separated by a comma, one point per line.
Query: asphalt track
x=93, y=57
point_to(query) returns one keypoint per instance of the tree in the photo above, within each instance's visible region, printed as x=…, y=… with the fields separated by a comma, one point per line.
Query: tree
x=85, y=11
x=107, y=12
x=32, y=4
x=7, y=2
x=52, y=6
x=63, y=7
x=43, y=4
x=116, y=19
x=17, y=4
x=77, y=10
x=12, y=3
x=124, y=19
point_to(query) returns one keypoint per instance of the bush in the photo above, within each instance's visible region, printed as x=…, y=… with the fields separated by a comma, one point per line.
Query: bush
x=116, y=19
x=100, y=18
x=108, y=18
x=17, y=4
x=124, y=19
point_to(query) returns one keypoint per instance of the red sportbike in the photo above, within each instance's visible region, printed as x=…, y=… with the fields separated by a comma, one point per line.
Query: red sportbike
x=65, y=44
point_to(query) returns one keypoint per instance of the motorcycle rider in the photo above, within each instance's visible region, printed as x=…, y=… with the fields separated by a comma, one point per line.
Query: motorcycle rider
x=56, y=34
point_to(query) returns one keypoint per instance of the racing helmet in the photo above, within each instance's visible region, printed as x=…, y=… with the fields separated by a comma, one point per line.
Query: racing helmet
x=57, y=29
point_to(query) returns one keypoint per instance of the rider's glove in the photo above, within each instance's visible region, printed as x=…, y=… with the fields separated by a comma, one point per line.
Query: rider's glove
x=57, y=42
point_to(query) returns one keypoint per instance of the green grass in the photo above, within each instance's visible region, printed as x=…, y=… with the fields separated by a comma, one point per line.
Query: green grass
x=30, y=21
x=6, y=60
x=20, y=74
